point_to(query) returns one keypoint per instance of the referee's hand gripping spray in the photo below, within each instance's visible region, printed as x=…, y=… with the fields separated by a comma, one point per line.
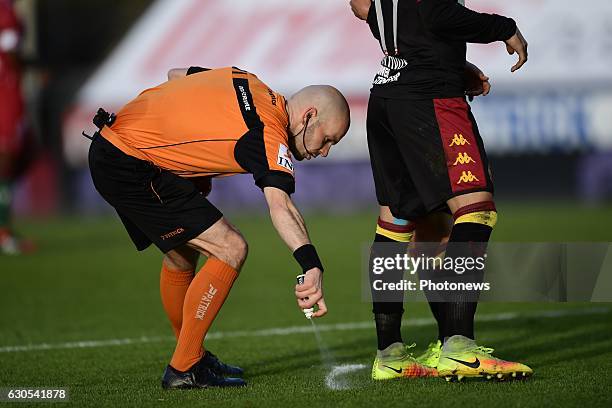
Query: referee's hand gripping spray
x=307, y=312
x=307, y=257
x=327, y=358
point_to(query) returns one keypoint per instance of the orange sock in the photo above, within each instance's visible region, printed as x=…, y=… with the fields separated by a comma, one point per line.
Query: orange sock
x=204, y=298
x=173, y=285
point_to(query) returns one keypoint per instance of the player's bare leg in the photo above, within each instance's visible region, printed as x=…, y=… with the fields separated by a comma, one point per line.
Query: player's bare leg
x=191, y=365
x=182, y=258
x=463, y=200
x=222, y=241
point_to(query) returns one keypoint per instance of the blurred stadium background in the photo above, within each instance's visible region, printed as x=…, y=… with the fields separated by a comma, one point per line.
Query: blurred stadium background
x=548, y=127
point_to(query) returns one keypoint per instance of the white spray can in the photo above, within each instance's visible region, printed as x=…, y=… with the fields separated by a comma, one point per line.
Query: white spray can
x=307, y=312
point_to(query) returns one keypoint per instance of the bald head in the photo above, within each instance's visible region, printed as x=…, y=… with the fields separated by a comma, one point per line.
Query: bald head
x=326, y=112
x=330, y=104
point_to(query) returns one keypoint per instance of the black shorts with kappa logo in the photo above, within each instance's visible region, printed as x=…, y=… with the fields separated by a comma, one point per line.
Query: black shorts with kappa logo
x=156, y=206
x=424, y=152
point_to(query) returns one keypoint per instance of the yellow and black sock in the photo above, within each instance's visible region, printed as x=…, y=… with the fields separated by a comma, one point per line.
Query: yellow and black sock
x=473, y=223
x=388, y=314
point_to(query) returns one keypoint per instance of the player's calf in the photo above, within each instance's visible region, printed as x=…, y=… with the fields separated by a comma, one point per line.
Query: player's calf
x=182, y=258
x=388, y=310
x=227, y=251
x=473, y=224
x=392, y=358
x=177, y=272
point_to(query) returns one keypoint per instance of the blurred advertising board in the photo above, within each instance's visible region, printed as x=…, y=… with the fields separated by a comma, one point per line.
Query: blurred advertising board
x=560, y=101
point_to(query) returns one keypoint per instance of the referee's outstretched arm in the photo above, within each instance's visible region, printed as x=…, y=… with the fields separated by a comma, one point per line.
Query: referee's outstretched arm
x=291, y=227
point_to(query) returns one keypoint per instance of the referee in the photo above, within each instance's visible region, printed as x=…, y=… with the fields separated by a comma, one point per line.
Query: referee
x=153, y=162
x=429, y=160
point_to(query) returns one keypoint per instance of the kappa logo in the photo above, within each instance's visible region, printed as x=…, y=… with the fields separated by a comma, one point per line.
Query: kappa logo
x=463, y=158
x=284, y=158
x=458, y=140
x=467, y=177
x=171, y=234
x=205, y=302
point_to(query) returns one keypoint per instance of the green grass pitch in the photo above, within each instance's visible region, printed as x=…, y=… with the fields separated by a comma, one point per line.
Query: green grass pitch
x=86, y=283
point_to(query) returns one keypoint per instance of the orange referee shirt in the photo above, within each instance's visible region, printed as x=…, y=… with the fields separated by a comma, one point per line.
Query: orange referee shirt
x=216, y=122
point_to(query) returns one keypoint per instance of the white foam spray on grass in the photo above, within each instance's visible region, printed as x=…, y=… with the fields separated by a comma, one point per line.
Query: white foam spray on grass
x=335, y=380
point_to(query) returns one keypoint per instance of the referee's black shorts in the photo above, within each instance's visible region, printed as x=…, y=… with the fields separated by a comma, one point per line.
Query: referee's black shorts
x=424, y=152
x=156, y=206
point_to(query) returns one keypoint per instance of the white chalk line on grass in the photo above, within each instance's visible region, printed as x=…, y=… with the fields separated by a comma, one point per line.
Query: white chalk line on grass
x=286, y=331
x=332, y=380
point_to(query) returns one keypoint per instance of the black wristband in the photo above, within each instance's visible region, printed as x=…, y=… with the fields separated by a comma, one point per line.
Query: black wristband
x=307, y=257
